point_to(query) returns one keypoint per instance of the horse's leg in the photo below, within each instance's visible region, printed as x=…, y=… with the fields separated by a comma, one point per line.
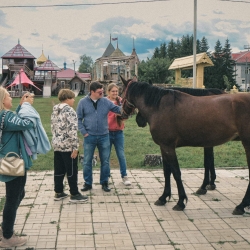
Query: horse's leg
x=210, y=163
x=239, y=210
x=209, y=172
x=167, y=189
x=169, y=154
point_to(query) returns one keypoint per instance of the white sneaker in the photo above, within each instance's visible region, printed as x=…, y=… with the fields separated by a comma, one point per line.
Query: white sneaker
x=126, y=181
x=14, y=241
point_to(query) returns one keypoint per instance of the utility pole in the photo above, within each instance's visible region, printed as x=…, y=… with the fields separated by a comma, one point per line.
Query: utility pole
x=194, y=44
x=246, y=71
x=74, y=66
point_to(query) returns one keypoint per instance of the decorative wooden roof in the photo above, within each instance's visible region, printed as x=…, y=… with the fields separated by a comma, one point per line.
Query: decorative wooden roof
x=18, y=52
x=187, y=62
x=41, y=59
x=48, y=66
x=109, y=50
x=117, y=53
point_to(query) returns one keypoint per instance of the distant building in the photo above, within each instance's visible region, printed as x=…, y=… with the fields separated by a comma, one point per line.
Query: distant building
x=12, y=62
x=68, y=78
x=242, y=67
x=114, y=63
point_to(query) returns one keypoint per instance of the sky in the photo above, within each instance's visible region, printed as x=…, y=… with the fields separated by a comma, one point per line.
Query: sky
x=64, y=33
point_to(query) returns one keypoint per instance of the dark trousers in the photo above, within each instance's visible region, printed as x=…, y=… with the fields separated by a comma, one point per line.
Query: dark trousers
x=14, y=195
x=64, y=164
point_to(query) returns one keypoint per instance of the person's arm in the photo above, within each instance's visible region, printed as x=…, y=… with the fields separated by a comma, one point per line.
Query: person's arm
x=80, y=117
x=72, y=131
x=115, y=109
x=13, y=122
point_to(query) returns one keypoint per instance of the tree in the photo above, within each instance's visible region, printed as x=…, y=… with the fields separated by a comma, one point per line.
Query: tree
x=229, y=64
x=86, y=64
x=156, y=53
x=204, y=45
x=155, y=69
x=163, y=50
x=171, y=50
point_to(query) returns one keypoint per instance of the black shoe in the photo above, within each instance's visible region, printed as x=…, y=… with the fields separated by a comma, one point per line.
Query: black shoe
x=86, y=187
x=105, y=187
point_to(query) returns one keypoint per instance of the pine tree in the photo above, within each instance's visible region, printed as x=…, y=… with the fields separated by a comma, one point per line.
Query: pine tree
x=229, y=64
x=163, y=50
x=171, y=50
x=204, y=45
x=156, y=53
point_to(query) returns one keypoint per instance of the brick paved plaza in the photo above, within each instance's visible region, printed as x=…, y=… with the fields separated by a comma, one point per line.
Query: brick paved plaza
x=127, y=219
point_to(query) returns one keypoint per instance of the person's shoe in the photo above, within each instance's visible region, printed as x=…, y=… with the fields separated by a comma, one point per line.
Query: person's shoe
x=14, y=241
x=126, y=181
x=78, y=198
x=60, y=196
x=105, y=187
x=86, y=187
x=1, y=233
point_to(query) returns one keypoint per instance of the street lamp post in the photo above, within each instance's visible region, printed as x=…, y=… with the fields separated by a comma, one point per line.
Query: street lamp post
x=246, y=71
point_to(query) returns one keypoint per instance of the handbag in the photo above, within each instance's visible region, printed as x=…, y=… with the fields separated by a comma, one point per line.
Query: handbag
x=11, y=165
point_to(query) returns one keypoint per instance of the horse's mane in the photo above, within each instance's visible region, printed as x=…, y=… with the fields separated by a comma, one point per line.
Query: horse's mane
x=152, y=94
x=200, y=92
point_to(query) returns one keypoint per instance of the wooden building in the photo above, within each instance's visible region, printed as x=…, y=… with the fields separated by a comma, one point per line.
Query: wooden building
x=202, y=60
x=12, y=62
x=113, y=63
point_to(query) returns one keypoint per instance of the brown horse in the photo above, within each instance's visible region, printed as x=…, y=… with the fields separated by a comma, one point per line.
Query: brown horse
x=209, y=174
x=177, y=119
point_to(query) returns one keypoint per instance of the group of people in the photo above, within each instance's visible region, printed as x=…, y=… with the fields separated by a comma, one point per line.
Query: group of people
x=97, y=118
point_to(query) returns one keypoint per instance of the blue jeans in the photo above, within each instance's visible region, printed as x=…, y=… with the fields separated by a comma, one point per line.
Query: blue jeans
x=89, y=145
x=14, y=194
x=117, y=139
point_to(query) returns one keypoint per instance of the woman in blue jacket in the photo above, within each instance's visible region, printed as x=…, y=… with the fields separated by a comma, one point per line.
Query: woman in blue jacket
x=12, y=141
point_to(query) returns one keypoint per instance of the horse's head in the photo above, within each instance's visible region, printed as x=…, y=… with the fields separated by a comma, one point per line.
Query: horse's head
x=127, y=107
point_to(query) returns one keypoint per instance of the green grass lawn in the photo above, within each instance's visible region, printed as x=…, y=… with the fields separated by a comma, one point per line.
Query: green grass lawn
x=138, y=143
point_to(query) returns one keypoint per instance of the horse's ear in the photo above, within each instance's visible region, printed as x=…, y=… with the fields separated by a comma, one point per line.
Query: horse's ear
x=150, y=82
x=124, y=81
x=134, y=78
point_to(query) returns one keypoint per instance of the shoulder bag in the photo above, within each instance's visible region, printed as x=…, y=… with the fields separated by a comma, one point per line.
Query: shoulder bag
x=10, y=165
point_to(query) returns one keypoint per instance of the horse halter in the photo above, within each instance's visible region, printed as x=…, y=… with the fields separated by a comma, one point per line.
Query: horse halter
x=129, y=104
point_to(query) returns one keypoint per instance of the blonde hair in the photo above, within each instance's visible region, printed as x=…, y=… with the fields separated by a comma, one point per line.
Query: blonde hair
x=110, y=86
x=3, y=93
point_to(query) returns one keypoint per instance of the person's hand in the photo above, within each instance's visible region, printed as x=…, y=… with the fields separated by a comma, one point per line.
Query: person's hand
x=24, y=98
x=86, y=135
x=74, y=154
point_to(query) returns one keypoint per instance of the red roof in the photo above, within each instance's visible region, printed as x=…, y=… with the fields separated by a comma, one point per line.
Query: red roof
x=48, y=66
x=18, y=52
x=241, y=57
x=70, y=73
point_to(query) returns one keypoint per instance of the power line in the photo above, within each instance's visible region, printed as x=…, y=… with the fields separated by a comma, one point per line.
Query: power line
x=80, y=4
x=236, y=1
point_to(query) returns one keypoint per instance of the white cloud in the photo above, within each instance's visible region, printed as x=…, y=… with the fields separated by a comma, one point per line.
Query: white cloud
x=66, y=33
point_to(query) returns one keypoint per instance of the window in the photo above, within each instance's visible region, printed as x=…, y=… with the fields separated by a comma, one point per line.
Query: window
x=63, y=84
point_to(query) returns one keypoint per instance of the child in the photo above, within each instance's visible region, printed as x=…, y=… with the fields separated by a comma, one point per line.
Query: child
x=65, y=144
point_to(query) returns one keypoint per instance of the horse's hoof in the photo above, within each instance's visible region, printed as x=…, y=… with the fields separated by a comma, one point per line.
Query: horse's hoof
x=211, y=187
x=178, y=208
x=201, y=191
x=160, y=203
x=238, y=211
